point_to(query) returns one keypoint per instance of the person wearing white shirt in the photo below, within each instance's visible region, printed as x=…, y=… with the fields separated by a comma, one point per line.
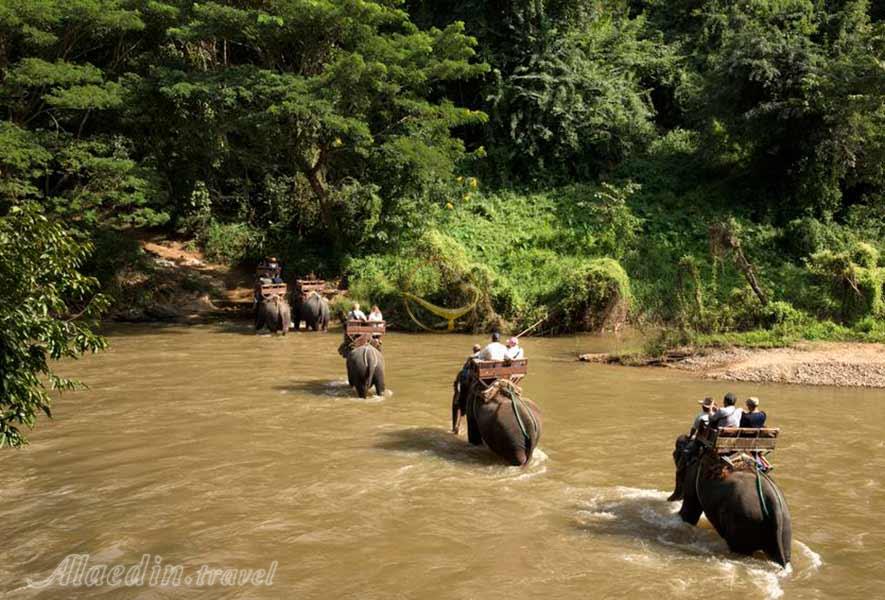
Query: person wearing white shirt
x=514, y=352
x=356, y=314
x=727, y=416
x=495, y=350
x=375, y=314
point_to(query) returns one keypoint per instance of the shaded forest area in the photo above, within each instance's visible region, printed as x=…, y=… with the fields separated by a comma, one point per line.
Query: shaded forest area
x=715, y=166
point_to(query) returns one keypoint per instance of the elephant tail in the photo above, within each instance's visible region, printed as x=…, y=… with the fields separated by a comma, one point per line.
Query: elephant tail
x=783, y=529
x=776, y=510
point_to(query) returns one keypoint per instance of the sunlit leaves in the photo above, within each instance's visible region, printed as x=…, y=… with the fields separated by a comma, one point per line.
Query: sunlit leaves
x=48, y=311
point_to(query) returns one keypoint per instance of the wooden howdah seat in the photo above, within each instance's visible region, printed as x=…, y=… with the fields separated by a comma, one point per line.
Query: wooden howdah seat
x=305, y=286
x=273, y=289
x=356, y=328
x=360, y=333
x=728, y=440
x=490, y=370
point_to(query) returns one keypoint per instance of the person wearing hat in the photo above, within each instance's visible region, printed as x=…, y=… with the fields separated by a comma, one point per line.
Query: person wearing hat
x=753, y=417
x=727, y=416
x=495, y=350
x=702, y=421
x=461, y=387
x=514, y=352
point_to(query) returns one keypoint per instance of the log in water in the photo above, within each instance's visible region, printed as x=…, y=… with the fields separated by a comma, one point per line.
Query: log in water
x=213, y=446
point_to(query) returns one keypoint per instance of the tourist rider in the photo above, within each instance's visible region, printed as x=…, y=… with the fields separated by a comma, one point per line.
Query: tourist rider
x=275, y=271
x=514, y=351
x=355, y=313
x=495, y=350
x=753, y=417
x=727, y=416
x=702, y=421
x=375, y=315
x=461, y=386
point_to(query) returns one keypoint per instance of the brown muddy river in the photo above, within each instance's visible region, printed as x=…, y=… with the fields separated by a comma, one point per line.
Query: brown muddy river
x=213, y=446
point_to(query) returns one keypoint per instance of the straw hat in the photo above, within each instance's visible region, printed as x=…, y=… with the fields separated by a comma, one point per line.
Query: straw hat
x=708, y=402
x=753, y=401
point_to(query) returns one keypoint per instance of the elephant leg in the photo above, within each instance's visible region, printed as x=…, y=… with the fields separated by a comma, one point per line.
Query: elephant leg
x=691, y=509
x=351, y=375
x=473, y=434
x=378, y=380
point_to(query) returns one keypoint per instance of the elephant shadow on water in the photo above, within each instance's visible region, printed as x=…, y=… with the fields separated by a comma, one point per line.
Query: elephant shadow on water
x=325, y=388
x=440, y=442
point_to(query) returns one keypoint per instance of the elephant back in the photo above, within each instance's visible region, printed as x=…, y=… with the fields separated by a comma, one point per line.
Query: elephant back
x=510, y=424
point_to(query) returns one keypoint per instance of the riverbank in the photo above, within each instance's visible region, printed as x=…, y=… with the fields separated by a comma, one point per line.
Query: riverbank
x=172, y=281
x=806, y=363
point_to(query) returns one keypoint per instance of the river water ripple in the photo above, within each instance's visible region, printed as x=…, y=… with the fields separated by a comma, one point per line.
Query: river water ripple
x=209, y=445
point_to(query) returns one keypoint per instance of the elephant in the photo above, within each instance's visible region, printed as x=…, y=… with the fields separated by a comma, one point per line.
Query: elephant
x=365, y=368
x=509, y=424
x=313, y=310
x=273, y=313
x=747, y=509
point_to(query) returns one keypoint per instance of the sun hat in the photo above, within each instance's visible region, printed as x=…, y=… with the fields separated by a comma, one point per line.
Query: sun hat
x=753, y=401
x=706, y=401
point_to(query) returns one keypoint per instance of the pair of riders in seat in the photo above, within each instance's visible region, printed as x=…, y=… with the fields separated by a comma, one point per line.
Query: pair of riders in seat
x=356, y=314
x=495, y=350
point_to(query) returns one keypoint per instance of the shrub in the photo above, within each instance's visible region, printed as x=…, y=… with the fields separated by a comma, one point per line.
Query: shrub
x=594, y=296
x=231, y=243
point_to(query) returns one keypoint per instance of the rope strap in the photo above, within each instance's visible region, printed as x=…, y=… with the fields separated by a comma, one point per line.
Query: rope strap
x=765, y=512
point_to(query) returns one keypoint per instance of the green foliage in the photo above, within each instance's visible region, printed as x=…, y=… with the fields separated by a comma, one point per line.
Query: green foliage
x=855, y=280
x=48, y=311
x=593, y=296
x=231, y=243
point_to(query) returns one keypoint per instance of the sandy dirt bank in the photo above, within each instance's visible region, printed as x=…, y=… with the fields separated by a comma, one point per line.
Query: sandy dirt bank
x=817, y=363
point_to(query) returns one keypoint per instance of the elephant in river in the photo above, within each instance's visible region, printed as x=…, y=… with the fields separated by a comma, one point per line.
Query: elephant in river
x=273, y=313
x=747, y=509
x=509, y=424
x=365, y=368
x=313, y=310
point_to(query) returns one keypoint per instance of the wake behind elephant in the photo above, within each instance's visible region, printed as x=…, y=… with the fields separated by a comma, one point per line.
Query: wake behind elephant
x=273, y=313
x=365, y=368
x=509, y=424
x=746, y=508
x=313, y=310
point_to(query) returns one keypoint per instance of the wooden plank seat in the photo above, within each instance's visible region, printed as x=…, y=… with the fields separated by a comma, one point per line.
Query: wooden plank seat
x=501, y=369
x=273, y=289
x=355, y=328
x=306, y=286
x=740, y=439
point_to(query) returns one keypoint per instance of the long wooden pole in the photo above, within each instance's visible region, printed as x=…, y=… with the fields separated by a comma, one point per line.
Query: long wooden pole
x=533, y=326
